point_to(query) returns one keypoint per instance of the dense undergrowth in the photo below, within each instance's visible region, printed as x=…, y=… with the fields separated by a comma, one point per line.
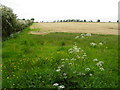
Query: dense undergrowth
x=60, y=60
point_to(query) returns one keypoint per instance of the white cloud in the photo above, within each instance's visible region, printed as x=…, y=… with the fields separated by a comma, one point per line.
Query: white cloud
x=48, y=10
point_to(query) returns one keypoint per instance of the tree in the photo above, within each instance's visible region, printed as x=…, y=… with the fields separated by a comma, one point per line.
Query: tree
x=98, y=20
x=81, y=20
x=63, y=20
x=60, y=20
x=84, y=20
x=77, y=20
x=91, y=21
x=32, y=19
x=10, y=23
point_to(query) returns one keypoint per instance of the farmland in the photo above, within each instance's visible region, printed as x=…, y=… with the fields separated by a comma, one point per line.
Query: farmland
x=66, y=56
x=78, y=27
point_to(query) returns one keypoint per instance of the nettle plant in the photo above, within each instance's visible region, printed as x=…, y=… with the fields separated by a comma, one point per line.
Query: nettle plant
x=75, y=69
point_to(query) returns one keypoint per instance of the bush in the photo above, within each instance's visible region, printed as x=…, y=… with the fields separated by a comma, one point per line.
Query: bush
x=10, y=23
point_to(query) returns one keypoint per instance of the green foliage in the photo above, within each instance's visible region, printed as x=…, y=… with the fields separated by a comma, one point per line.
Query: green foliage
x=32, y=61
x=10, y=23
x=98, y=20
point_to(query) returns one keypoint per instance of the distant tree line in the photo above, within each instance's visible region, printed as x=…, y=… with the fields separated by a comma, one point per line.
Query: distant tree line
x=74, y=20
x=77, y=20
x=10, y=23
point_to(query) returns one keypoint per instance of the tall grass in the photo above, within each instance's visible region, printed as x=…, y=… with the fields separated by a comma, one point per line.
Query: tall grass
x=44, y=61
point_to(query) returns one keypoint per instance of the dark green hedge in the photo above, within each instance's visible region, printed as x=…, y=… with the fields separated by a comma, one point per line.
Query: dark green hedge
x=10, y=23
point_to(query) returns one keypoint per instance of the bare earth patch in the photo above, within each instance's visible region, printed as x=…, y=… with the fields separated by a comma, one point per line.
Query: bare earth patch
x=76, y=27
x=38, y=33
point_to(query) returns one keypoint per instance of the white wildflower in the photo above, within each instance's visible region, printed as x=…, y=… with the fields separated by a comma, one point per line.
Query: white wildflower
x=82, y=36
x=95, y=60
x=99, y=64
x=70, y=63
x=64, y=74
x=67, y=59
x=84, y=55
x=101, y=43
x=62, y=59
x=59, y=67
x=81, y=74
x=76, y=37
x=61, y=86
x=87, y=69
x=93, y=44
x=82, y=50
x=88, y=34
x=102, y=69
x=73, y=59
x=58, y=70
x=55, y=84
x=62, y=65
x=90, y=74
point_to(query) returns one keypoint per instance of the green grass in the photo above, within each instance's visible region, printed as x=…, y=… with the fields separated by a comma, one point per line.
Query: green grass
x=32, y=61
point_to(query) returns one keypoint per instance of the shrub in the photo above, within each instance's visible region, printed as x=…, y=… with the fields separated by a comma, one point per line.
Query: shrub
x=10, y=23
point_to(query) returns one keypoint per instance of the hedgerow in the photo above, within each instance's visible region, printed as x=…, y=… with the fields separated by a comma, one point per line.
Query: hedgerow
x=10, y=22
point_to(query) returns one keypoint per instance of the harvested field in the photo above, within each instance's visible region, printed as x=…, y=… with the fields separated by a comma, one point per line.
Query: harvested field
x=73, y=27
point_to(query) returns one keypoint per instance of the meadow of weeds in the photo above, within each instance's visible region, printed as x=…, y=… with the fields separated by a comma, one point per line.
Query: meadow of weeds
x=60, y=60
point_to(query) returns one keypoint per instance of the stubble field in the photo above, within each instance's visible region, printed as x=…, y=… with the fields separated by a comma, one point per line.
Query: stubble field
x=72, y=27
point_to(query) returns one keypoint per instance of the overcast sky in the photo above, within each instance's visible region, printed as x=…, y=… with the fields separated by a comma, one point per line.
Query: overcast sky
x=49, y=10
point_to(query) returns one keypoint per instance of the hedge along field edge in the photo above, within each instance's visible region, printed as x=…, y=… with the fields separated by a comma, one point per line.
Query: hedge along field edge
x=0, y=49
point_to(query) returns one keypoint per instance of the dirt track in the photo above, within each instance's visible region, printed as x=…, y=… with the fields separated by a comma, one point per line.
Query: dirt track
x=96, y=28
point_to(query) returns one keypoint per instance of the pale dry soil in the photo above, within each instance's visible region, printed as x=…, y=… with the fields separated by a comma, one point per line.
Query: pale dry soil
x=75, y=27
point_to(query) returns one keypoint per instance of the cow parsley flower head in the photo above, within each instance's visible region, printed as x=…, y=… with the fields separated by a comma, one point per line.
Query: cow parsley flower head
x=64, y=74
x=90, y=74
x=93, y=44
x=62, y=59
x=59, y=67
x=76, y=37
x=101, y=43
x=84, y=55
x=87, y=69
x=58, y=70
x=61, y=86
x=102, y=69
x=67, y=59
x=100, y=63
x=82, y=36
x=55, y=84
x=95, y=60
x=70, y=63
x=73, y=59
x=88, y=34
